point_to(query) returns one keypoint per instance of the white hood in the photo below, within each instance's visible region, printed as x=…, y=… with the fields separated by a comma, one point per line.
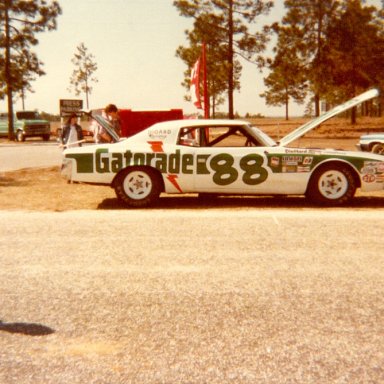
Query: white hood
x=303, y=129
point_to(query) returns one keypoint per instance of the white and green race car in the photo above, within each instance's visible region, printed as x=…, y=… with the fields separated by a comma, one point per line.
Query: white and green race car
x=223, y=157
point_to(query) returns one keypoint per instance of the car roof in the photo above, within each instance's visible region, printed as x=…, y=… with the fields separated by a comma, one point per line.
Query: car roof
x=198, y=123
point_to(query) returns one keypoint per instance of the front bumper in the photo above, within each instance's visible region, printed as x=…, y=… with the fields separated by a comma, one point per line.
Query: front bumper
x=36, y=130
x=66, y=169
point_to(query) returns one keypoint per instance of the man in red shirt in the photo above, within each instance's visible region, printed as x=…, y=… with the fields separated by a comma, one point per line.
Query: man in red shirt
x=114, y=117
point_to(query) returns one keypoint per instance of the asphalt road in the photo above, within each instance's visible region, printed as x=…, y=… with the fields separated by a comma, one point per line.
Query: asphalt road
x=31, y=154
x=225, y=295
x=218, y=296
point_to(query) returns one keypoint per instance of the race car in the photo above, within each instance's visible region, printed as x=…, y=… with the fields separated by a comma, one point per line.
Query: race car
x=224, y=157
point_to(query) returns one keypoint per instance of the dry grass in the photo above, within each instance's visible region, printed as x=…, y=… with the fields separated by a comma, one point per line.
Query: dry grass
x=336, y=127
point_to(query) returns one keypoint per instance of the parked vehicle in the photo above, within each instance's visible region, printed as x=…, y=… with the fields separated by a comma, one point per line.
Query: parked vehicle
x=372, y=143
x=224, y=157
x=26, y=124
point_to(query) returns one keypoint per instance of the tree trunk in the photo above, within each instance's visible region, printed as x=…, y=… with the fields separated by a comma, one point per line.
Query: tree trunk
x=286, y=104
x=317, y=105
x=8, y=77
x=230, y=60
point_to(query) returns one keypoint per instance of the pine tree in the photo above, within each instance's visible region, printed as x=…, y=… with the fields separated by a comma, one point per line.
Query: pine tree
x=82, y=77
x=308, y=21
x=356, y=51
x=20, y=21
x=217, y=67
x=228, y=21
x=288, y=78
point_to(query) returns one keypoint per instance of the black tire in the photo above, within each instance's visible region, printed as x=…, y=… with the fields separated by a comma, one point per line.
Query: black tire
x=378, y=148
x=20, y=136
x=331, y=185
x=46, y=137
x=138, y=187
x=207, y=197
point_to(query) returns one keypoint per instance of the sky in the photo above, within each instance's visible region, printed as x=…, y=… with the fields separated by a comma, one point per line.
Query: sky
x=133, y=43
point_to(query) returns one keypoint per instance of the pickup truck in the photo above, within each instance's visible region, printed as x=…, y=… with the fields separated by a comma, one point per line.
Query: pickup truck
x=26, y=124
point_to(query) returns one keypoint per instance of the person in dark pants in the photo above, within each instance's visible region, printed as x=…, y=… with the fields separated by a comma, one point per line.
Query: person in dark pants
x=72, y=133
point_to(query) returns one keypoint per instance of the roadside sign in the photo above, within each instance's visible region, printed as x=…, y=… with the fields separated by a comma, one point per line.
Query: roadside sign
x=70, y=106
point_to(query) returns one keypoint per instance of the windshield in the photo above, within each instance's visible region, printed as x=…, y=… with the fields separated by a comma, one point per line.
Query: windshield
x=28, y=115
x=266, y=140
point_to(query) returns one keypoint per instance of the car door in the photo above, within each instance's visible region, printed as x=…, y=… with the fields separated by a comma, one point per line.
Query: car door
x=229, y=161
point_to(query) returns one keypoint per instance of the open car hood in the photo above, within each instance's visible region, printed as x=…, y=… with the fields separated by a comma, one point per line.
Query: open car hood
x=105, y=124
x=303, y=129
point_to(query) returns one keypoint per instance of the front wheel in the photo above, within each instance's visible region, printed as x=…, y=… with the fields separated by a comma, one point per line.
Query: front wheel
x=20, y=136
x=332, y=184
x=138, y=186
x=378, y=148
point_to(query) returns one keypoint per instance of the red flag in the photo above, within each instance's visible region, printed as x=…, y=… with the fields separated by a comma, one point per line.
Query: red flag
x=195, y=85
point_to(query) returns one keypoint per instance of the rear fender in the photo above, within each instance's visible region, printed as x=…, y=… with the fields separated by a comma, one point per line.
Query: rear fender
x=160, y=176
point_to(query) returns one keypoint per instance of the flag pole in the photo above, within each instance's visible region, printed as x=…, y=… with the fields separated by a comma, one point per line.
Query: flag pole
x=205, y=83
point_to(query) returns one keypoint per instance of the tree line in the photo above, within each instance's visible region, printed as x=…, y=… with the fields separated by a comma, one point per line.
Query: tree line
x=326, y=51
x=20, y=22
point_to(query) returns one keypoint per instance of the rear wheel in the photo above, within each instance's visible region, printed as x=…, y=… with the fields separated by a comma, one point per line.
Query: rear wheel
x=138, y=186
x=331, y=184
x=378, y=148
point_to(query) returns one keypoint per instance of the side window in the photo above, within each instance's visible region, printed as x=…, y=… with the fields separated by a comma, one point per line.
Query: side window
x=189, y=137
x=228, y=137
x=216, y=136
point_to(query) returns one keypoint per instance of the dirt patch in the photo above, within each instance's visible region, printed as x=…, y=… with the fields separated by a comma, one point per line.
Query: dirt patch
x=43, y=189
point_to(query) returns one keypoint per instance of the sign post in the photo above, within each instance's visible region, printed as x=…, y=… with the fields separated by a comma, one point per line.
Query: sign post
x=67, y=107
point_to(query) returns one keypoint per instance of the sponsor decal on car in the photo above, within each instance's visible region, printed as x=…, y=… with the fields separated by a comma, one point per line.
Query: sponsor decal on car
x=372, y=172
x=221, y=166
x=369, y=178
x=252, y=168
x=159, y=134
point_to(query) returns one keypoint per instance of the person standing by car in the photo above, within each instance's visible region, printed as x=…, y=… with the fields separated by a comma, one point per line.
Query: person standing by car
x=114, y=117
x=72, y=133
